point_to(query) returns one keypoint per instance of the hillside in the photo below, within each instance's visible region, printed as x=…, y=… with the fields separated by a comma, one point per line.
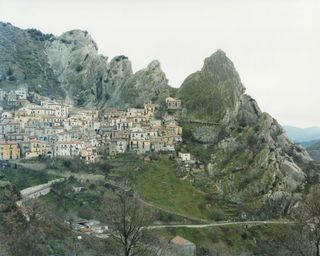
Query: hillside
x=248, y=159
x=314, y=150
x=249, y=155
x=302, y=135
x=23, y=60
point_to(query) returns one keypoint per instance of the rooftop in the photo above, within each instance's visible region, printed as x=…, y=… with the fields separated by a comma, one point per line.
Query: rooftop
x=178, y=240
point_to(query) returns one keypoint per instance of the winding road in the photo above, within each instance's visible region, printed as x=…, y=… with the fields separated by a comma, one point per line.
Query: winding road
x=43, y=189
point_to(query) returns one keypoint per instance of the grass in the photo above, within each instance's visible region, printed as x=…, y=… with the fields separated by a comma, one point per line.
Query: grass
x=232, y=240
x=157, y=183
x=23, y=178
x=86, y=204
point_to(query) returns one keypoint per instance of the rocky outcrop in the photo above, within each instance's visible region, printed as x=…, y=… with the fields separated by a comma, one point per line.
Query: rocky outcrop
x=89, y=79
x=147, y=84
x=251, y=156
x=218, y=89
x=23, y=60
x=70, y=66
x=79, y=67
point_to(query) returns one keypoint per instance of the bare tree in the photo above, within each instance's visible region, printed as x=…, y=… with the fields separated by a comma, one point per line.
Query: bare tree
x=128, y=220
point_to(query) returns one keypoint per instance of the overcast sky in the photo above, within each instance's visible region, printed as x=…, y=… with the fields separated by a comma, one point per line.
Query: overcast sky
x=274, y=44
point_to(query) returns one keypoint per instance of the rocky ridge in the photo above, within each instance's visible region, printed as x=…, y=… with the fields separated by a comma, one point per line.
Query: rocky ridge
x=250, y=154
x=70, y=66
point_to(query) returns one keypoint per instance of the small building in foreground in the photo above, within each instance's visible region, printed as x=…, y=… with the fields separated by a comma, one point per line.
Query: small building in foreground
x=179, y=246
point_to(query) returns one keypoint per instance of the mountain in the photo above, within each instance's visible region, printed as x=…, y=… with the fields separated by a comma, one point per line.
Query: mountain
x=215, y=89
x=249, y=160
x=23, y=59
x=297, y=134
x=314, y=150
x=70, y=66
x=250, y=157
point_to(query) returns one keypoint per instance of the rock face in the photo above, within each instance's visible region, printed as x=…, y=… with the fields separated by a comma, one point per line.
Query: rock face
x=23, y=59
x=218, y=88
x=70, y=66
x=147, y=84
x=251, y=158
x=74, y=58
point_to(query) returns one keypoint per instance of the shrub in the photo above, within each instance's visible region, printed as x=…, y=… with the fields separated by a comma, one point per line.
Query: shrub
x=218, y=214
x=79, y=68
x=9, y=72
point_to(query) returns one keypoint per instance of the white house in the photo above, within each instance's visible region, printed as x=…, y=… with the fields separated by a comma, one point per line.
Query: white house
x=3, y=94
x=68, y=148
x=21, y=94
x=184, y=156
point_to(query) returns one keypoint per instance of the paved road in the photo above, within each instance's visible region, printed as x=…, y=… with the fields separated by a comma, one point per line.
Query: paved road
x=219, y=224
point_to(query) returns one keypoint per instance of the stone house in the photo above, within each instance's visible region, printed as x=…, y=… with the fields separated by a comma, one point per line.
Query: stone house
x=149, y=110
x=173, y=103
x=88, y=154
x=7, y=115
x=68, y=148
x=10, y=127
x=58, y=108
x=3, y=95
x=135, y=112
x=15, y=137
x=11, y=96
x=36, y=148
x=117, y=146
x=21, y=94
x=140, y=146
x=185, y=157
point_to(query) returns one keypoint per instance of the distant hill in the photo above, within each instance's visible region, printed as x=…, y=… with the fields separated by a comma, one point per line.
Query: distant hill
x=309, y=138
x=314, y=150
x=300, y=135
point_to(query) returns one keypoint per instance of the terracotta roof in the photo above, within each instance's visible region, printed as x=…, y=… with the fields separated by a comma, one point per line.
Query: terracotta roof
x=178, y=240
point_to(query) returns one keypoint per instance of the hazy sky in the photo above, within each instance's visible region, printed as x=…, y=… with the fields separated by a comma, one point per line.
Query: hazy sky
x=274, y=44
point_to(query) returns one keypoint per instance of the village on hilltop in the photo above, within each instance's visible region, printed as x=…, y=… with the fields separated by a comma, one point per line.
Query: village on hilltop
x=35, y=126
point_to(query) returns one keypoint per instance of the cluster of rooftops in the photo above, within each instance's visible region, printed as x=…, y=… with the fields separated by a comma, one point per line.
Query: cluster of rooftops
x=41, y=127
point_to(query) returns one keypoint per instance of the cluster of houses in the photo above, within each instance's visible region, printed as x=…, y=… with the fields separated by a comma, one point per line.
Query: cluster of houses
x=137, y=130
x=49, y=128
x=43, y=127
x=13, y=97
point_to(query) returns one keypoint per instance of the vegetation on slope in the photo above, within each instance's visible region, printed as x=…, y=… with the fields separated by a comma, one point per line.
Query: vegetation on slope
x=158, y=184
x=22, y=60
